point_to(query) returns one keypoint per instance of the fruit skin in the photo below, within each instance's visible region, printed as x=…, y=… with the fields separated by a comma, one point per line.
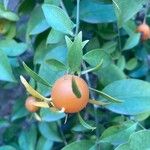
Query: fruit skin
x=144, y=30
x=63, y=96
x=29, y=104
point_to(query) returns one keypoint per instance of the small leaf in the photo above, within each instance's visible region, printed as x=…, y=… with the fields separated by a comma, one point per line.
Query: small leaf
x=58, y=19
x=75, y=88
x=37, y=22
x=108, y=97
x=118, y=134
x=12, y=48
x=84, y=123
x=4, y=13
x=55, y=64
x=131, y=64
x=94, y=57
x=96, y=12
x=97, y=102
x=132, y=41
x=49, y=116
x=35, y=76
x=137, y=141
x=54, y=37
x=133, y=92
x=75, y=54
x=68, y=42
x=32, y=91
x=93, y=69
x=5, y=68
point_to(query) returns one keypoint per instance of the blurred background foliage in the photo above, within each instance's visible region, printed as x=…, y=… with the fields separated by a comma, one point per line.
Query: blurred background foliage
x=34, y=31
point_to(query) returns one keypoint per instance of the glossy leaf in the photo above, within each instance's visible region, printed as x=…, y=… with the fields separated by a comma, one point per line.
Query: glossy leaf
x=44, y=144
x=55, y=64
x=5, y=68
x=50, y=131
x=35, y=76
x=94, y=57
x=37, y=22
x=75, y=54
x=138, y=141
x=49, y=115
x=57, y=18
x=133, y=93
x=102, y=13
x=85, y=124
x=118, y=134
x=12, y=48
x=54, y=37
x=27, y=139
x=121, y=8
x=75, y=88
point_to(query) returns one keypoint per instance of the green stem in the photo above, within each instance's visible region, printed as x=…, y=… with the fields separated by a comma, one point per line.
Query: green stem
x=63, y=7
x=97, y=133
x=61, y=133
x=77, y=17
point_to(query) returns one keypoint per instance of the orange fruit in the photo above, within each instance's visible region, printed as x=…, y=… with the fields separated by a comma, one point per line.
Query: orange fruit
x=63, y=96
x=144, y=30
x=29, y=104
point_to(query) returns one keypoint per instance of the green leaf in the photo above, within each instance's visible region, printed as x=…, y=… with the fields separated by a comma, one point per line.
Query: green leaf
x=19, y=110
x=7, y=147
x=4, y=13
x=12, y=48
x=54, y=37
x=75, y=88
x=121, y=62
x=75, y=54
x=35, y=76
x=121, y=8
x=37, y=22
x=50, y=131
x=27, y=138
x=85, y=144
x=59, y=52
x=118, y=134
x=49, y=115
x=5, y=68
x=108, y=97
x=110, y=74
x=138, y=141
x=68, y=42
x=133, y=93
x=94, y=57
x=85, y=124
x=96, y=68
x=57, y=19
x=55, y=64
x=131, y=64
x=44, y=144
x=132, y=41
x=96, y=12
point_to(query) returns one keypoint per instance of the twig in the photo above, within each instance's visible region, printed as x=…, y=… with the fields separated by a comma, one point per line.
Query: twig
x=77, y=17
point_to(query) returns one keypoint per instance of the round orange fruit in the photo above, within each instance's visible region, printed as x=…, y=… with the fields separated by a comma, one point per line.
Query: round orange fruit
x=144, y=30
x=63, y=96
x=29, y=104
